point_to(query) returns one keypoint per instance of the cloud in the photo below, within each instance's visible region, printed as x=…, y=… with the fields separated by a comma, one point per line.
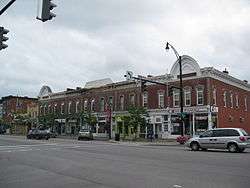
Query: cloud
x=96, y=39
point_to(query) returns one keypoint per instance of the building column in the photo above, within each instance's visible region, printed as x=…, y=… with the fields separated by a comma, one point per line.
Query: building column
x=154, y=129
x=193, y=125
x=210, y=123
x=169, y=124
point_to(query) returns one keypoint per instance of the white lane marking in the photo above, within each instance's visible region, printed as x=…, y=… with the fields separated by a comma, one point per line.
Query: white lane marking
x=31, y=145
x=177, y=186
x=24, y=150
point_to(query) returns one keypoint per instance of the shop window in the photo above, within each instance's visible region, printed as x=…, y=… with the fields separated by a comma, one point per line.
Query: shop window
x=187, y=96
x=145, y=99
x=200, y=96
x=176, y=98
x=102, y=104
x=161, y=99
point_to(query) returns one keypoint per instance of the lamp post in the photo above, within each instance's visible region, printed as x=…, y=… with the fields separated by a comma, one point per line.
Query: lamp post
x=168, y=46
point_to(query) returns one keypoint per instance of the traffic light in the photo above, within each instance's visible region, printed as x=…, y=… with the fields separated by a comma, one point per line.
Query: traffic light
x=3, y=38
x=44, y=10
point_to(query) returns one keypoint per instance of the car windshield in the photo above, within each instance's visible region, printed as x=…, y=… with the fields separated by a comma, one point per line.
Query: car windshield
x=244, y=132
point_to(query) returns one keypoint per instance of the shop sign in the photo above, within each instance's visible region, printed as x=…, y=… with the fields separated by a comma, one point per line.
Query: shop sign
x=201, y=117
x=214, y=109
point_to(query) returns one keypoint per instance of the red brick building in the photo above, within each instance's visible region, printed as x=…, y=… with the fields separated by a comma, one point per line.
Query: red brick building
x=211, y=99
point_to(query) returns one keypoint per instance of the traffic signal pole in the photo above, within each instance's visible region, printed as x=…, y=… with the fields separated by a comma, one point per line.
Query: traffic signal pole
x=6, y=7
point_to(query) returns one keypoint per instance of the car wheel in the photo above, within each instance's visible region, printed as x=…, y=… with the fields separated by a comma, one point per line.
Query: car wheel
x=79, y=138
x=241, y=150
x=194, y=146
x=232, y=148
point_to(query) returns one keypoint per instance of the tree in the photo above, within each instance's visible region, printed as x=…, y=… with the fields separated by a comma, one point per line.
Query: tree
x=89, y=119
x=137, y=118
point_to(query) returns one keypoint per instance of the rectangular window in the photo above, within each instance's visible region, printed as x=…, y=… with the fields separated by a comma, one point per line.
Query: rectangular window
x=176, y=98
x=85, y=106
x=187, y=97
x=214, y=97
x=200, y=96
x=122, y=102
x=132, y=99
x=77, y=106
x=45, y=110
x=111, y=102
x=231, y=100
x=69, y=107
x=237, y=101
x=225, y=98
x=62, y=108
x=92, y=105
x=245, y=101
x=55, y=108
x=145, y=99
x=161, y=99
x=102, y=104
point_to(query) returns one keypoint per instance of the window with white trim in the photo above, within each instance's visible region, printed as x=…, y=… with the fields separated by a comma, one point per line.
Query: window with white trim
x=176, y=98
x=45, y=110
x=62, y=108
x=49, y=109
x=122, y=102
x=77, y=106
x=237, y=101
x=132, y=99
x=145, y=99
x=69, y=107
x=161, y=99
x=231, y=100
x=55, y=107
x=111, y=102
x=214, y=97
x=245, y=101
x=187, y=96
x=225, y=98
x=92, y=105
x=85, y=105
x=102, y=104
x=200, y=95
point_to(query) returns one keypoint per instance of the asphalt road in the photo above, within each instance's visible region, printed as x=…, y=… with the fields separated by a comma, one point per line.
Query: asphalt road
x=70, y=163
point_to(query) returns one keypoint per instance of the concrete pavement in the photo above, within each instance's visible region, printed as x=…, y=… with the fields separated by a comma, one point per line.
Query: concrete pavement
x=71, y=163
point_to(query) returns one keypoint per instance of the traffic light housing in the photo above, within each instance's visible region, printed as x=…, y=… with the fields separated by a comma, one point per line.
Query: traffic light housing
x=3, y=38
x=44, y=10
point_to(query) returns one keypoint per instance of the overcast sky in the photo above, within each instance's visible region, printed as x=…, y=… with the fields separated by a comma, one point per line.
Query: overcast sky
x=95, y=39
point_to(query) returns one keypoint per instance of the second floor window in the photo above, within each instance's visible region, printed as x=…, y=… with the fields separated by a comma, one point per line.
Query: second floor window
x=237, y=101
x=111, y=102
x=85, y=105
x=225, y=98
x=102, y=104
x=77, y=107
x=145, y=99
x=132, y=99
x=245, y=101
x=121, y=102
x=62, y=108
x=55, y=108
x=200, y=96
x=214, y=96
x=176, y=98
x=187, y=97
x=69, y=107
x=92, y=105
x=161, y=99
x=231, y=100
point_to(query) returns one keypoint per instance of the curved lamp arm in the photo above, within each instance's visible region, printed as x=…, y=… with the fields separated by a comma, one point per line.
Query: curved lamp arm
x=167, y=48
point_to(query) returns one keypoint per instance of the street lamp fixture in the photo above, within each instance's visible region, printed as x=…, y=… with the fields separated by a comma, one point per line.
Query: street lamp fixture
x=168, y=46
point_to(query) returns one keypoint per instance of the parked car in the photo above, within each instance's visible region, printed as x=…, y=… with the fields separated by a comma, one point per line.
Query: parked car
x=38, y=134
x=85, y=134
x=233, y=139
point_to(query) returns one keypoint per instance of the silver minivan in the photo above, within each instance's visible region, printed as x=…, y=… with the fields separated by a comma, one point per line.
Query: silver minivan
x=233, y=139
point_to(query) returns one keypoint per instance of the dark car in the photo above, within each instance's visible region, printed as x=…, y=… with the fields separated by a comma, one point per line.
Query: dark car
x=38, y=134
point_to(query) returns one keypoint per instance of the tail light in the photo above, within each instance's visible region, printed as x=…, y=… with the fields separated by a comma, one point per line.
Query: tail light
x=242, y=138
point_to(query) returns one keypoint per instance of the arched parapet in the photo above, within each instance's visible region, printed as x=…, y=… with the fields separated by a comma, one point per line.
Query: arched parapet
x=189, y=66
x=44, y=91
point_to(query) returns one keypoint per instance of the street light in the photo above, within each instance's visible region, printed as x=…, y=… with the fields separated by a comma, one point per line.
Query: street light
x=168, y=46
